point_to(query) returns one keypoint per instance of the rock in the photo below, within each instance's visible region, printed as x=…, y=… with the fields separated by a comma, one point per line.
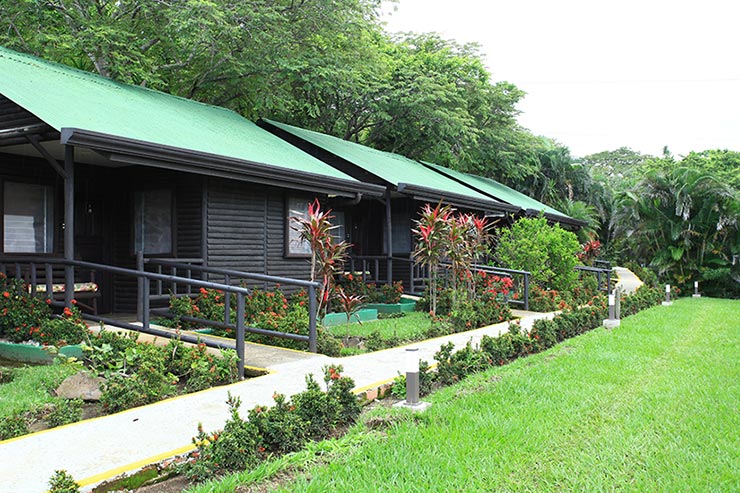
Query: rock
x=81, y=385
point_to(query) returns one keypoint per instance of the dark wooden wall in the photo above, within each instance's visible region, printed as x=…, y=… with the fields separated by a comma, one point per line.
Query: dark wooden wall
x=245, y=230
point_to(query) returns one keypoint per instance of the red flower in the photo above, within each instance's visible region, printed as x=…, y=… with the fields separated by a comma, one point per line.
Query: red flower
x=6, y=294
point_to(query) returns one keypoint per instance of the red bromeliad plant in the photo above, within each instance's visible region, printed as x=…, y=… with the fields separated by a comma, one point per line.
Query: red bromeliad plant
x=350, y=304
x=431, y=245
x=589, y=251
x=327, y=256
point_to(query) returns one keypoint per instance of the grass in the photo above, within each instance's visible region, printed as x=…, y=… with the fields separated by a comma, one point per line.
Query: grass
x=414, y=323
x=651, y=406
x=30, y=388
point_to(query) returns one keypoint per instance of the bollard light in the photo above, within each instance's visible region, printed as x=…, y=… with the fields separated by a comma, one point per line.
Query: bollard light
x=412, y=376
x=696, y=290
x=667, y=301
x=612, y=321
x=412, y=381
x=611, y=307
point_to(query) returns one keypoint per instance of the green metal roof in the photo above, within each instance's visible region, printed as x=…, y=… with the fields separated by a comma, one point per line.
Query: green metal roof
x=392, y=168
x=64, y=97
x=496, y=190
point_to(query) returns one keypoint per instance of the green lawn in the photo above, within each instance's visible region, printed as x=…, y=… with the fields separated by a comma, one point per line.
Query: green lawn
x=413, y=323
x=30, y=388
x=651, y=406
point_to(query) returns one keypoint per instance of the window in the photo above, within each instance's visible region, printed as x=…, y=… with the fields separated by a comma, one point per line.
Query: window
x=294, y=246
x=153, y=221
x=28, y=225
x=401, y=233
x=339, y=229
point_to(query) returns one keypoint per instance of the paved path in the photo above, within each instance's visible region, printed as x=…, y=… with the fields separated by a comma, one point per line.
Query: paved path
x=628, y=281
x=99, y=449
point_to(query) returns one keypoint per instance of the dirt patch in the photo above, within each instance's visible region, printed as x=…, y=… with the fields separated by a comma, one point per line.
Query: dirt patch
x=175, y=484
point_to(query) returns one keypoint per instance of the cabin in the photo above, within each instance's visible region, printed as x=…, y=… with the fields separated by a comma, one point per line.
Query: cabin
x=97, y=171
x=109, y=174
x=380, y=230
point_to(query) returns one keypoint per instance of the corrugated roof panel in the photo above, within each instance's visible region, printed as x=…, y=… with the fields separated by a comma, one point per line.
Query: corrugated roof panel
x=64, y=97
x=393, y=168
x=496, y=190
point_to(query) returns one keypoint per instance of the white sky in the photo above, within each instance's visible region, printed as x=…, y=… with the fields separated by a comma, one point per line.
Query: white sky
x=600, y=75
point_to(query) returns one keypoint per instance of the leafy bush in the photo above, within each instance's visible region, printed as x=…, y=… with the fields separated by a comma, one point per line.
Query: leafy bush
x=426, y=380
x=69, y=328
x=65, y=411
x=283, y=428
x=63, y=482
x=453, y=366
x=233, y=449
x=140, y=373
x=548, y=252
x=13, y=426
x=21, y=314
x=645, y=274
x=352, y=285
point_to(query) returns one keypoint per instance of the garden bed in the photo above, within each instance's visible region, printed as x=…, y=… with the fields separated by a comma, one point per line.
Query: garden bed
x=31, y=353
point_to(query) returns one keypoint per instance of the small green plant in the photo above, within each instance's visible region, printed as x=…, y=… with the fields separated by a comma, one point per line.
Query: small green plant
x=426, y=380
x=350, y=303
x=63, y=482
x=13, y=426
x=233, y=449
x=65, y=411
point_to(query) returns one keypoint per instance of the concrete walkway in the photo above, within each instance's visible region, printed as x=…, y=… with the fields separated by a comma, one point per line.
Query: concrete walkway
x=99, y=449
x=628, y=281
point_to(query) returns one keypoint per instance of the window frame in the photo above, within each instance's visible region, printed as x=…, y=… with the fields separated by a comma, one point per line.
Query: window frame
x=52, y=222
x=294, y=204
x=173, y=220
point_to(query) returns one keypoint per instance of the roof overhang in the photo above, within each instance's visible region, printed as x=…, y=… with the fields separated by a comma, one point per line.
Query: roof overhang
x=129, y=151
x=433, y=195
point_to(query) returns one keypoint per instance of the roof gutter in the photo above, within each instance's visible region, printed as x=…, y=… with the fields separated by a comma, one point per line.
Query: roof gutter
x=434, y=195
x=156, y=155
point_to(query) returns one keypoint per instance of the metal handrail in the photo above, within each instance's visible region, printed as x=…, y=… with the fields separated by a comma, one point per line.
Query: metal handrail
x=488, y=269
x=144, y=281
x=229, y=275
x=599, y=271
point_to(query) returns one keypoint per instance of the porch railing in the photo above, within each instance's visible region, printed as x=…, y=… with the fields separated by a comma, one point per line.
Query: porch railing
x=376, y=269
x=520, y=278
x=229, y=276
x=35, y=266
x=603, y=276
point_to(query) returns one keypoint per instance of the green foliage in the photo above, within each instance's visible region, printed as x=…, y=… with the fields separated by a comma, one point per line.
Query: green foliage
x=65, y=411
x=682, y=222
x=140, y=373
x=63, y=482
x=233, y=449
x=22, y=315
x=548, y=252
x=13, y=425
x=453, y=366
x=280, y=429
x=352, y=285
x=426, y=380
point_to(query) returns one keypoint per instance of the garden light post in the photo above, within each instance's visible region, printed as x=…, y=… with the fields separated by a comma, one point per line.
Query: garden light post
x=696, y=290
x=613, y=320
x=667, y=301
x=412, y=382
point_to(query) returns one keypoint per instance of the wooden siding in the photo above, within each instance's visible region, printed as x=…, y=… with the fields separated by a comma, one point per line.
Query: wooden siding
x=246, y=230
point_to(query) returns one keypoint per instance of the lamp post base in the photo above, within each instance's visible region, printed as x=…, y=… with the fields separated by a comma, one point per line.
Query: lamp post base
x=611, y=323
x=419, y=406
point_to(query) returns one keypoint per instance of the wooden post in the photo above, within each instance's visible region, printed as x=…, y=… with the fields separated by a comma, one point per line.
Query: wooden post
x=389, y=236
x=69, y=223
